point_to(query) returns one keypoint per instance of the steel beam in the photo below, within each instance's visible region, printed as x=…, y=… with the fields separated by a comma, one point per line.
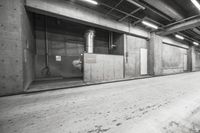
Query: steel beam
x=134, y=11
x=114, y=7
x=119, y=10
x=181, y=27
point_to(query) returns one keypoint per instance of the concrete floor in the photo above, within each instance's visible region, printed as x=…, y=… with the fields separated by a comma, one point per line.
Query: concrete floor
x=54, y=84
x=157, y=105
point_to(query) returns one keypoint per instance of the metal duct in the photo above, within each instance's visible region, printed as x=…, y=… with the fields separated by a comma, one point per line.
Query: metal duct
x=89, y=36
x=162, y=6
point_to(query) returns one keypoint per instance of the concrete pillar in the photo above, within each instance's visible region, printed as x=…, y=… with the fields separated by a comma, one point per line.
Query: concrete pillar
x=192, y=58
x=155, y=55
x=13, y=44
x=11, y=66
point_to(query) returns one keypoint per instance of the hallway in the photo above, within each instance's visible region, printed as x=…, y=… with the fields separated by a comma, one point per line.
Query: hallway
x=113, y=107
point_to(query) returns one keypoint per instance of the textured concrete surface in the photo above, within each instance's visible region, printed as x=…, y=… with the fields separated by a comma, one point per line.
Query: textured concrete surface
x=11, y=75
x=75, y=12
x=158, y=105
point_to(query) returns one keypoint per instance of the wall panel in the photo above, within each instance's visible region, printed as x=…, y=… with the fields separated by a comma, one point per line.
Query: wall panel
x=197, y=60
x=11, y=48
x=173, y=59
x=100, y=67
x=132, y=62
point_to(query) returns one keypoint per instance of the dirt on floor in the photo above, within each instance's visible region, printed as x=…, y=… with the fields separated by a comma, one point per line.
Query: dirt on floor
x=168, y=104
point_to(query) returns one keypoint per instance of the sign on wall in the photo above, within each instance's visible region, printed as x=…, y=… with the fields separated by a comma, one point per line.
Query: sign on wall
x=58, y=58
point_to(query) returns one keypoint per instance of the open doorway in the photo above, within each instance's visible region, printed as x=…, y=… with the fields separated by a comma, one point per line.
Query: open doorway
x=59, y=48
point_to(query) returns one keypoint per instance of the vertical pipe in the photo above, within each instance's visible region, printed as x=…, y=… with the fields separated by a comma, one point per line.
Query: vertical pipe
x=46, y=45
x=89, y=35
x=110, y=41
x=46, y=69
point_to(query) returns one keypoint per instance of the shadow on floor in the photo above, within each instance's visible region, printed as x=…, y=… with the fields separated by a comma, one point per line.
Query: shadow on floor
x=41, y=85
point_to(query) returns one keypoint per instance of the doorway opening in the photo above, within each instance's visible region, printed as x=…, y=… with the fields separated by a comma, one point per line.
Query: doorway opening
x=59, y=49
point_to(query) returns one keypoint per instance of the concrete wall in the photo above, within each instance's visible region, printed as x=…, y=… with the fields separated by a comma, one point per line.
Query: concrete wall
x=100, y=67
x=78, y=13
x=173, y=53
x=132, y=50
x=173, y=59
x=11, y=59
x=155, y=55
x=28, y=43
x=166, y=55
x=17, y=47
x=197, y=60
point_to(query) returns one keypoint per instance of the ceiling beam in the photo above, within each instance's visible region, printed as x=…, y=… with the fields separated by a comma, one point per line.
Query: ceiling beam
x=114, y=7
x=136, y=10
x=181, y=27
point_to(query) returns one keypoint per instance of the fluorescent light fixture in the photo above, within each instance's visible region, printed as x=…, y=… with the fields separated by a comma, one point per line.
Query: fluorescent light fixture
x=149, y=24
x=136, y=4
x=196, y=3
x=91, y=2
x=196, y=43
x=179, y=37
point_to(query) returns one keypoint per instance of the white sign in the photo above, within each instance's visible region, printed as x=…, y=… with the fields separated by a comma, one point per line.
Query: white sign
x=58, y=58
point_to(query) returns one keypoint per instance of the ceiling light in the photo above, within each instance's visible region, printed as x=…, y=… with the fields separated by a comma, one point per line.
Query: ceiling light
x=136, y=4
x=149, y=24
x=91, y=2
x=196, y=3
x=179, y=37
x=196, y=43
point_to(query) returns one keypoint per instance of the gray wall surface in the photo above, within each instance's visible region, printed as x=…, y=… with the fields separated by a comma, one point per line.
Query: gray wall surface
x=173, y=59
x=28, y=43
x=197, y=60
x=100, y=67
x=78, y=13
x=12, y=40
x=132, y=61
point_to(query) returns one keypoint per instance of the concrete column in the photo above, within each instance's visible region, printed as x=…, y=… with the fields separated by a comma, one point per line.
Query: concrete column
x=14, y=47
x=155, y=55
x=11, y=66
x=192, y=60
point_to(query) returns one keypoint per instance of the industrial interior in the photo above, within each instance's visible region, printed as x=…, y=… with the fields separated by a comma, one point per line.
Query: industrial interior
x=99, y=42
x=63, y=45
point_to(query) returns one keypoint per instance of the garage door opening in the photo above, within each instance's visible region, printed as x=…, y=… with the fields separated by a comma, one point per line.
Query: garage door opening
x=59, y=49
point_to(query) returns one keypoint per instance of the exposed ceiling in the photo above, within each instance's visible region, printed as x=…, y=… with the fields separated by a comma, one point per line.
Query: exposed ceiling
x=159, y=12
